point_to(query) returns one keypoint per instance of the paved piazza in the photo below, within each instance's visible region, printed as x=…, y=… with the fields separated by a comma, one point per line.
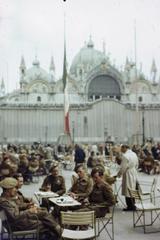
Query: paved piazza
x=122, y=220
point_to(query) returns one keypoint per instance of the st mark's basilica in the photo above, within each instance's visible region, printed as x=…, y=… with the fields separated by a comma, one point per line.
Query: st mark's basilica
x=106, y=103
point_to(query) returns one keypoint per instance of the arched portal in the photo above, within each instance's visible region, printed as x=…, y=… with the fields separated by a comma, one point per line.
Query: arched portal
x=104, y=86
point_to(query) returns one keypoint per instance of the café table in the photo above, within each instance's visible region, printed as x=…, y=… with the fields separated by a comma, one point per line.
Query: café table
x=64, y=201
x=42, y=194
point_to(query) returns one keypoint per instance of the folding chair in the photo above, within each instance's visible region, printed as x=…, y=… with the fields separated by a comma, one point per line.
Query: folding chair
x=145, y=214
x=78, y=219
x=7, y=233
x=151, y=193
x=106, y=223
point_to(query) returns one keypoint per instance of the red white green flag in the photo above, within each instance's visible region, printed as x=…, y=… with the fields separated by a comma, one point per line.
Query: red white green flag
x=66, y=96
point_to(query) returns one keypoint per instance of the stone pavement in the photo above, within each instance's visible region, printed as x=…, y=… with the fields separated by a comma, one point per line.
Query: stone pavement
x=123, y=227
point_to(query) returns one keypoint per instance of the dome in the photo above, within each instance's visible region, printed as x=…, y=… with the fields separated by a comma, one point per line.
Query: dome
x=87, y=59
x=36, y=73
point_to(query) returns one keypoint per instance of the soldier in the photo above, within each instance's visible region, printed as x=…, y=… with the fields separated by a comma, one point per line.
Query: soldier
x=53, y=182
x=101, y=197
x=106, y=174
x=28, y=219
x=22, y=201
x=82, y=186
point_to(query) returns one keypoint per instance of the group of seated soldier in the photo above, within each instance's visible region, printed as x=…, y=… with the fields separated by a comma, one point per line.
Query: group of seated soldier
x=22, y=159
x=147, y=162
x=95, y=159
x=91, y=190
x=23, y=213
x=85, y=187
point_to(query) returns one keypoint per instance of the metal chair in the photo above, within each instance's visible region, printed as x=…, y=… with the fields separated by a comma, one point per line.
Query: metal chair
x=78, y=220
x=7, y=233
x=151, y=193
x=106, y=223
x=143, y=209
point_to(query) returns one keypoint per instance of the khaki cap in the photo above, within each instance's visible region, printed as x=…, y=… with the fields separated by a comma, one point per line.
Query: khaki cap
x=8, y=183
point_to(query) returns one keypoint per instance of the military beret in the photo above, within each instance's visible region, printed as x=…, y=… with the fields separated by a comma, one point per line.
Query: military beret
x=8, y=183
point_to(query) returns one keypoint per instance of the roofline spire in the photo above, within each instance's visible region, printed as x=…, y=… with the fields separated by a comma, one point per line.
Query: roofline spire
x=104, y=46
x=52, y=65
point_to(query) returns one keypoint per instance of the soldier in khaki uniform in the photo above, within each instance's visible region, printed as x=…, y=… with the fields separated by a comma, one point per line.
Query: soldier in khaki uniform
x=80, y=190
x=82, y=186
x=102, y=196
x=53, y=182
x=22, y=201
x=27, y=219
x=106, y=174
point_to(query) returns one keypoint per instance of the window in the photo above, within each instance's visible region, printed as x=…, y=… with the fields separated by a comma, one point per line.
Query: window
x=97, y=97
x=140, y=99
x=44, y=89
x=105, y=86
x=85, y=120
x=38, y=99
x=80, y=72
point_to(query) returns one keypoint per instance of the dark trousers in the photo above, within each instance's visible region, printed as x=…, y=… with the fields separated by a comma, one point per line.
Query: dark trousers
x=130, y=202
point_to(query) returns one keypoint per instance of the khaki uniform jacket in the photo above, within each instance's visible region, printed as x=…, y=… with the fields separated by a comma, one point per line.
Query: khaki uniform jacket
x=107, y=177
x=82, y=187
x=18, y=220
x=57, y=184
x=101, y=198
x=22, y=201
x=25, y=220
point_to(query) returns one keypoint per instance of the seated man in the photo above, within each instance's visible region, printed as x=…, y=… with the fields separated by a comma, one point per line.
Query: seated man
x=53, y=182
x=80, y=190
x=102, y=196
x=56, y=182
x=106, y=174
x=27, y=219
x=148, y=163
x=82, y=186
x=22, y=201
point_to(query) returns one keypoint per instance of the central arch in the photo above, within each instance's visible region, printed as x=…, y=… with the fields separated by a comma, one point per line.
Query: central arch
x=104, y=86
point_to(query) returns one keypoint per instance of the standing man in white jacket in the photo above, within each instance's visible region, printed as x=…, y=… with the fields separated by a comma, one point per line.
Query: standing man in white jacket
x=128, y=171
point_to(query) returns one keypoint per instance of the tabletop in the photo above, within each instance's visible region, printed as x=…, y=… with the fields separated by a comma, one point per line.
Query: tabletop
x=41, y=194
x=65, y=201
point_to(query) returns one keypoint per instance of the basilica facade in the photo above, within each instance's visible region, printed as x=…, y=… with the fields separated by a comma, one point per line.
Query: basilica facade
x=106, y=103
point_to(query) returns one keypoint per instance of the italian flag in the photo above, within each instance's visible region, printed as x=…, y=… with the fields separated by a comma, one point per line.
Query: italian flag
x=66, y=97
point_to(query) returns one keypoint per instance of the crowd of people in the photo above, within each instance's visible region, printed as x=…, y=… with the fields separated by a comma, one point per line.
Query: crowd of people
x=91, y=184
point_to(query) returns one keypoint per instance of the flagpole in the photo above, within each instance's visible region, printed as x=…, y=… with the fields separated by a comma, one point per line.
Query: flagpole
x=65, y=137
x=135, y=59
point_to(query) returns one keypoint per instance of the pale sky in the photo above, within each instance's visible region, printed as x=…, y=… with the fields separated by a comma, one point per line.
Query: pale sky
x=35, y=27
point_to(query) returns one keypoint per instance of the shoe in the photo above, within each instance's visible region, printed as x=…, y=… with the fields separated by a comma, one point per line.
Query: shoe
x=128, y=209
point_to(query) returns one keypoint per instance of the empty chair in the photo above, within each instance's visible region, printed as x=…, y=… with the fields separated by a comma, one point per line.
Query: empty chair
x=106, y=223
x=141, y=212
x=151, y=192
x=78, y=221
